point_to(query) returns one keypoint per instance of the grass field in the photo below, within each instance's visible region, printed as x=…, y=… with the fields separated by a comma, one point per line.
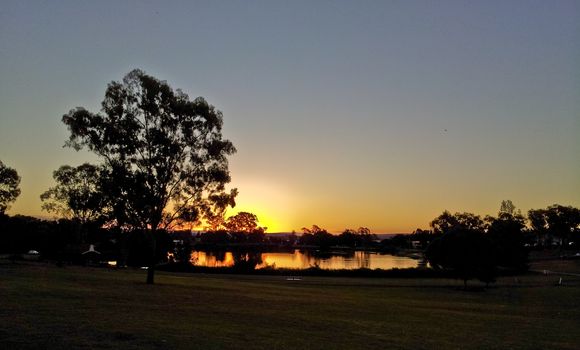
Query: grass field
x=45, y=307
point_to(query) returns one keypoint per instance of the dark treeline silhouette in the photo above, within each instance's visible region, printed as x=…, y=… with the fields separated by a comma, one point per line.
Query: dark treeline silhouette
x=471, y=247
x=462, y=245
x=241, y=229
x=64, y=241
x=314, y=237
x=320, y=238
x=555, y=225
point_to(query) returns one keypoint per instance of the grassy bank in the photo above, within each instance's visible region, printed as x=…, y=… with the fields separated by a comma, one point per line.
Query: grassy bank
x=44, y=307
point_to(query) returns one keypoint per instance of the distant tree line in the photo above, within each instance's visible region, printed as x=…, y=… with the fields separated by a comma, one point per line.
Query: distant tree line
x=64, y=240
x=472, y=247
x=463, y=244
x=316, y=236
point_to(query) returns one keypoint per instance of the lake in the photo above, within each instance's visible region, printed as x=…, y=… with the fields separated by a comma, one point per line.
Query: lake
x=304, y=259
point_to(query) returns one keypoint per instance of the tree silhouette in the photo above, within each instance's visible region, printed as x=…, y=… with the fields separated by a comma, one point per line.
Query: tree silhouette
x=356, y=238
x=506, y=232
x=243, y=222
x=462, y=248
x=556, y=221
x=538, y=224
x=508, y=208
x=9, y=190
x=216, y=208
x=314, y=229
x=77, y=194
x=164, y=153
x=465, y=253
x=447, y=222
x=316, y=236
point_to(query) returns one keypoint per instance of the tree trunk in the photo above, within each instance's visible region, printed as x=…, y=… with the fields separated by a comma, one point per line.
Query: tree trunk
x=153, y=261
x=151, y=274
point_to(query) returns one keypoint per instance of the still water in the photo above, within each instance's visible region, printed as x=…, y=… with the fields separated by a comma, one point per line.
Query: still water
x=304, y=259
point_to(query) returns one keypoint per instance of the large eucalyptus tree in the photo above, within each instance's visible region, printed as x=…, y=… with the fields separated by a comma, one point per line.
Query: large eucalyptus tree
x=164, y=153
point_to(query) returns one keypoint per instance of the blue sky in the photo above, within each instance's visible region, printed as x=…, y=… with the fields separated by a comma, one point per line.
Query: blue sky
x=344, y=113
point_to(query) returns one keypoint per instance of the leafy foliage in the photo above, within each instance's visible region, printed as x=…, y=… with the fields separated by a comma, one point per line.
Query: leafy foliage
x=507, y=207
x=9, y=190
x=316, y=236
x=447, y=222
x=77, y=194
x=558, y=221
x=216, y=208
x=244, y=222
x=356, y=238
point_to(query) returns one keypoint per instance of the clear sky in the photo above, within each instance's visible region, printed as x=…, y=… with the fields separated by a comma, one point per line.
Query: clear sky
x=345, y=113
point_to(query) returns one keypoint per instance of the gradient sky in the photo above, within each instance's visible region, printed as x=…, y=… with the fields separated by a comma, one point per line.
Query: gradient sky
x=345, y=114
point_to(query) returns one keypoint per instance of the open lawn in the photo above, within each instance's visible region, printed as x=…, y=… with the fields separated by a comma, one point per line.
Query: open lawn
x=46, y=307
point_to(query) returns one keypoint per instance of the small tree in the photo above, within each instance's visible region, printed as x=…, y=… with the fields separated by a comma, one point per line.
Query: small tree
x=164, y=153
x=9, y=190
x=243, y=222
x=507, y=207
x=77, y=194
x=316, y=236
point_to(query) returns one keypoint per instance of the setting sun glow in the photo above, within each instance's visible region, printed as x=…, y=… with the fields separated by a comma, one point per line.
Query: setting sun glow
x=270, y=202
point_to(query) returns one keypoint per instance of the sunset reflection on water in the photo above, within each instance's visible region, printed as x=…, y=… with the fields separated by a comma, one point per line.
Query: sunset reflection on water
x=303, y=260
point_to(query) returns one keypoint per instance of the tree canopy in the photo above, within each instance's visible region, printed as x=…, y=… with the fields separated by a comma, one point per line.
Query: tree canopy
x=77, y=193
x=9, y=190
x=507, y=235
x=164, y=154
x=555, y=221
x=447, y=222
x=244, y=222
x=356, y=238
x=215, y=210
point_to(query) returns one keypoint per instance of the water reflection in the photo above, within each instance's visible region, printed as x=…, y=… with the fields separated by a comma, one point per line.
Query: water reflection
x=212, y=258
x=303, y=260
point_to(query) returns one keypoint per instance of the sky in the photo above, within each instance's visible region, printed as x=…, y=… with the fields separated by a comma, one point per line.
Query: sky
x=345, y=113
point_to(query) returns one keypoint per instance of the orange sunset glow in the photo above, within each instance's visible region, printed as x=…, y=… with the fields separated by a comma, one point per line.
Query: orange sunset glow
x=377, y=126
